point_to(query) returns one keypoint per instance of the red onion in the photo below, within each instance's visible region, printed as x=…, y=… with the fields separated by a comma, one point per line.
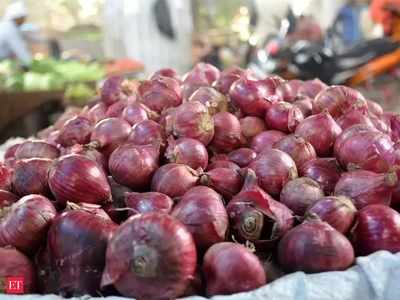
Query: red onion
x=339, y=212
x=203, y=213
x=192, y=81
x=77, y=243
x=134, y=113
x=377, y=228
x=311, y=88
x=10, y=152
x=305, y=105
x=36, y=149
x=283, y=116
x=374, y=108
x=366, y=187
x=134, y=165
x=91, y=153
x=111, y=90
x=325, y=171
x=166, y=72
x=115, y=110
x=52, y=139
x=225, y=181
x=192, y=120
x=298, y=148
x=381, y=125
x=24, y=224
x=314, y=246
x=148, y=202
x=211, y=98
x=394, y=127
x=337, y=100
x=75, y=131
x=150, y=256
x=147, y=132
x=255, y=216
x=188, y=152
x=228, y=134
x=174, y=179
x=222, y=164
x=242, y=156
x=300, y=193
x=274, y=168
x=266, y=140
x=287, y=90
x=5, y=177
x=69, y=113
x=76, y=178
x=31, y=176
x=321, y=131
x=97, y=113
x=116, y=209
x=227, y=78
x=231, y=268
x=15, y=264
x=7, y=198
x=353, y=116
x=210, y=72
x=251, y=126
x=160, y=93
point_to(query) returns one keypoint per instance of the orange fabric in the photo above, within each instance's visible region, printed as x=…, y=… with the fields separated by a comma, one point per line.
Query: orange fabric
x=381, y=15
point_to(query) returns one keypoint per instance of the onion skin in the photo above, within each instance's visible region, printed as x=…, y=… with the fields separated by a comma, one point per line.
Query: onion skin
x=111, y=90
x=115, y=109
x=305, y=105
x=150, y=256
x=300, y=193
x=225, y=181
x=377, y=228
x=298, y=148
x=75, y=131
x=339, y=212
x=325, y=171
x=231, y=268
x=187, y=151
x=16, y=264
x=174, y=180
x=134, y=165
x=148, y=202
x=97, y=113
x=10, y=152
x=283, y=116
x=311, y=88
x=314, y=246
x=24, y=224
x=222, y=164
x=321, y=131
x=5, y=177
x=76, y=178
x=274, y=168
x=77, y=243
x=203, y=213
x=354, y=116
x=166, y=72
x=266, y=140
x=211, y=98
x=242, y=156
x=134, y=113
x=31, y=176
x=366, y=187
x=91, y=153
x=192, y=120
x=147, y=132
x=251, y=126
x=7, y=198
x=228, y=133
x=227, y=78
x=36, y=149
x=374, y=108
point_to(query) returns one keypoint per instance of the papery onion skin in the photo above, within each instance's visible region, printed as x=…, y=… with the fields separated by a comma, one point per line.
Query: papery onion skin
x=7, y=198
x=187, y=151
x=242, y=156
x=203, y=213
x=314, y=246
x=283, y=116
x=147, y=132
x=165, y=72
x=227, y=78
x=339, y=212
x=300, y=193
x=16, y=264
x=111, y=90
x=377, y=228
x=251, y=126
x=266, y=140
x=134, y=113
x=36, y=149
x=24, y=225
x=374, y=108
x=5, y=177
x=76, y=178
x=115, y=109
x=97, y=113
x=225, y=181
x=75, y=131
x=148, y=202
x=150, y=256
x=355, y=115
x=305, y=105
x=311, y=88
x=91, y=153
x=222, y=164
x=174, y=180
x=211, y=98
x=231, y=268
x=10, y=152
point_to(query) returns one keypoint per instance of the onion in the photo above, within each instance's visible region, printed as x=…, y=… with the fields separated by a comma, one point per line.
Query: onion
x=115, y=110
x=242, y=156
x=266, y=140
x=188, y=152
x=366, y=187
x=305, y=105
x=148, y=202
x=298, y=148
x=337, y=100
x=31, y=176
x=15, y=264
x=134, y=165
x=209, y=72
x=286, y=91
x=24, y=224
x=77, y=243
x=192, y=120
x=203, y=213
x=311, y=88
x=283, y=116
x=116, y=209
x=225, y=181
x=325, y=171
x=36, y=149
x=7, y=198
x=228, y=133
x=160, y=93
x=91, y=153
x=377, y=228
x=166, y=72
x=222, y=164
x=75, y=131
x=134, y=113
x=97, y=113
x=314, y=246
x=374, y=108
x=321, y=131
x=227, y=78
x=394, y=126
x=255, y=216
x=69, y=113
x=10, y=152
x=6, y=174
x=251, y=126
x=339, y=212
x=192, y=81
x=76, y=178
x=274, y=168
x=174, y=179
x=111, y=90
x=147, y=132
x=211, y=98
x=231, y=268
x=150, y=256
x=300, y=193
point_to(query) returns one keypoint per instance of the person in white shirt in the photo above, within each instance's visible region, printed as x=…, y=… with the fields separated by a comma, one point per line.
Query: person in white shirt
x=12, y=42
